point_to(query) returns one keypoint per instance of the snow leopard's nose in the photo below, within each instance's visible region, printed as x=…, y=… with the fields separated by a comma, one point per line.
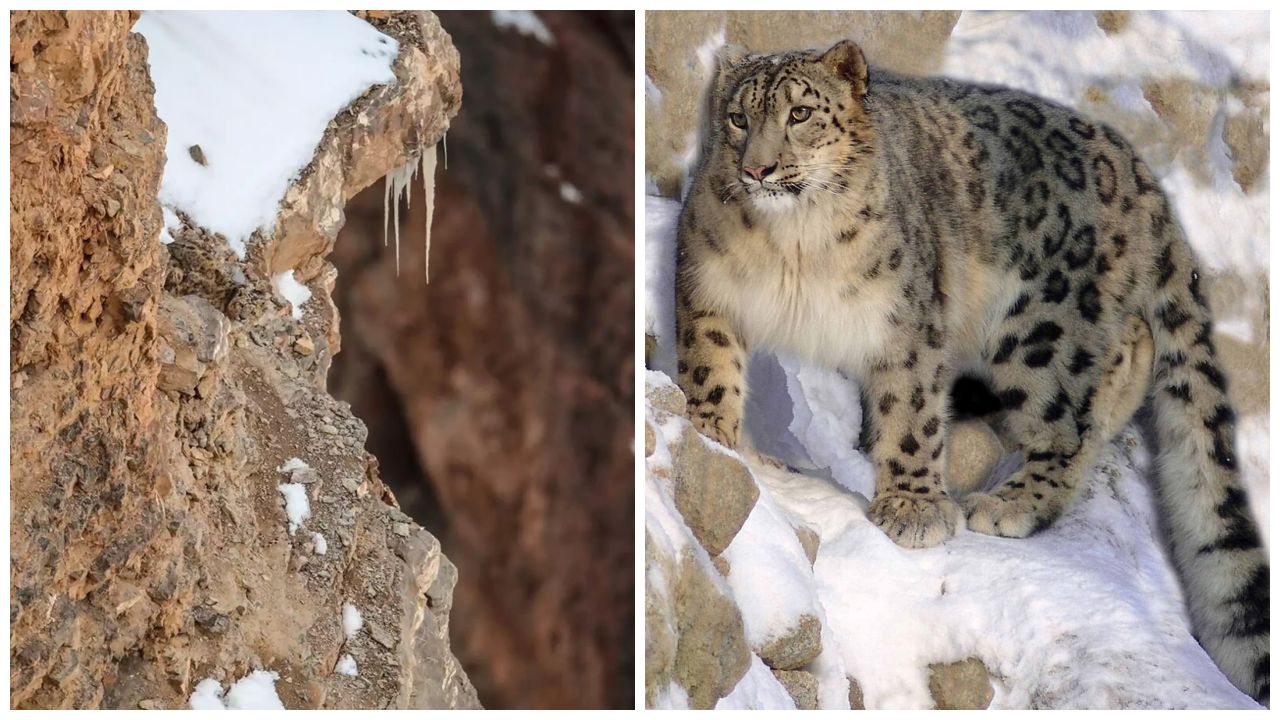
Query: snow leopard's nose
x=760, y=172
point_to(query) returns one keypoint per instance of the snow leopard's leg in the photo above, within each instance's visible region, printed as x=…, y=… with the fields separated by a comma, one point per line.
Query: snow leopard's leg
x=1046, y=367
x=710, y=361
x=904, y=426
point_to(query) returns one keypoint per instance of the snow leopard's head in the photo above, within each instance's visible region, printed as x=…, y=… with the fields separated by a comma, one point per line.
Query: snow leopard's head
x=792, y=125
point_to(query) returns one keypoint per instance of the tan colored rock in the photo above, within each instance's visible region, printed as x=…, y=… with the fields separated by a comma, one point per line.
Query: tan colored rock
x=661, y=627
x=1113, y=21
x=650, y=440
x=795, y=648
x=855, y=696
x=1247, y=140
x=667, y=398
x=810, y=541
x=802, y=686
x=962, y=685
x=694, y=635
x=714, y=491
x=721, y=564
x=711, y=654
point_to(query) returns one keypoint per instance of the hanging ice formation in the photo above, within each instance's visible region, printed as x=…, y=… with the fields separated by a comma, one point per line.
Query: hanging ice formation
x=398, y=183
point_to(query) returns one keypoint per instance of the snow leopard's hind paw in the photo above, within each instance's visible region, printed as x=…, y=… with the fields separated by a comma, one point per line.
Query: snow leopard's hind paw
x=1014, y=515
x=914, y=520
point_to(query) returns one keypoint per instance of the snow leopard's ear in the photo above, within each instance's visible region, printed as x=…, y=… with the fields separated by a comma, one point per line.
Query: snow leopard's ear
x=846, y=61
x=726, y=57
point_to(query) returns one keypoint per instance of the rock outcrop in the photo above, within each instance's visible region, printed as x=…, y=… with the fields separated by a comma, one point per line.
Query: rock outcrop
x=158, y=395
x=500, y=396
x=696, y=645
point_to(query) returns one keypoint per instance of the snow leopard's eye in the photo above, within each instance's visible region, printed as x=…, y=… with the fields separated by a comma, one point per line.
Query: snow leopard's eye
x=800, y=114
x=738, y=119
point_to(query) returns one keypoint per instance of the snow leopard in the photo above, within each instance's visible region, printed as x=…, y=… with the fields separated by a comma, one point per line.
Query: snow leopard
x=911, y=231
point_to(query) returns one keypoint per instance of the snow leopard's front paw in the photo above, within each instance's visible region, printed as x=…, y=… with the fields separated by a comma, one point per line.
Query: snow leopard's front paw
x=916, y=521
x=1012, y=515
x=717, y=427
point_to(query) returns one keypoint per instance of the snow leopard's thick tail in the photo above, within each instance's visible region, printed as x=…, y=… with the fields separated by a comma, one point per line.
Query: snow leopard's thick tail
x=1215, y=540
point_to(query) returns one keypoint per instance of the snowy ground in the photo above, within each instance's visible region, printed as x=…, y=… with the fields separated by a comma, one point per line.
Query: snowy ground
x=1087, y=614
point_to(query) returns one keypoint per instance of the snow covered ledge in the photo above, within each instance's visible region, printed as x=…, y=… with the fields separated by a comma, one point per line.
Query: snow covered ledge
x=265, y=155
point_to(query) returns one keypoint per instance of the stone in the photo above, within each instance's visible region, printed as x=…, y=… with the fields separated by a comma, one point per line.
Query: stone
x=855, y=695
x=711, y=652
x=810, y=541
x=667, y=398
x=795, y=648
x=197, y=154
x=962, y=685
x=1112, y=22
x=305, y=345
x=721, y=564
x=714, y=491
x=802, y=686
x=660, y=625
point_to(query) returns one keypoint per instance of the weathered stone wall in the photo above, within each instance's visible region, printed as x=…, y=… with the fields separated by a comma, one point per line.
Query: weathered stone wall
x=156, y=392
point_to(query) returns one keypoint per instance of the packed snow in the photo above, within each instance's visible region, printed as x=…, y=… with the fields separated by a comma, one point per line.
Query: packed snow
x=292, y=464
x=207, y=696
x=246, y=97
x=297, y=507
x=347, y=666
x=1086, y=614
x=352, y=621
x=319, y=544
x=291, y=290
x=171, y=223
x=255, y=691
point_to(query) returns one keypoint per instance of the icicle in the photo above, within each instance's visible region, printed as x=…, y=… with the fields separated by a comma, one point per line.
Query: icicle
x=386, y=197
x=444, y=142
x=429, y=193
x=400, y=182
x=396, y=222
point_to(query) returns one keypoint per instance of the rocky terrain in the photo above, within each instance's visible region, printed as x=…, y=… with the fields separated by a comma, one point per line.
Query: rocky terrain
x=159, y=393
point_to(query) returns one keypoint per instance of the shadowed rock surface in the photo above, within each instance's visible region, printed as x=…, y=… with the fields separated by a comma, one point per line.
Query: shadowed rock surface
x=499, y=396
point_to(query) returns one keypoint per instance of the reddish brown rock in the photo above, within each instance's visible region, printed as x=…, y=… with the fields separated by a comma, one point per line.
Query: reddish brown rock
x=507, y=382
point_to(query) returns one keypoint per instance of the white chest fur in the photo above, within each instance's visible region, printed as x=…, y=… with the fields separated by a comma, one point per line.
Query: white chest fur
x=786, y=287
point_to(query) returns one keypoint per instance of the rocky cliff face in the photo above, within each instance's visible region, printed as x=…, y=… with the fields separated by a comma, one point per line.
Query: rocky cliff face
x=159, y=393
x=501, y=393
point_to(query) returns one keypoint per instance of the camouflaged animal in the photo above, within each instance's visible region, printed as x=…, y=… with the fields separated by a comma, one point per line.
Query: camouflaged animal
x=911, y=231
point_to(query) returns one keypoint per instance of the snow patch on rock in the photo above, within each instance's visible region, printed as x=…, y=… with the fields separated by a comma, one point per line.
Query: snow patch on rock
x=242, y=120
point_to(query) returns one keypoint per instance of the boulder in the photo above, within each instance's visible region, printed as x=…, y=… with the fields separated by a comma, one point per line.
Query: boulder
x=961, y=685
